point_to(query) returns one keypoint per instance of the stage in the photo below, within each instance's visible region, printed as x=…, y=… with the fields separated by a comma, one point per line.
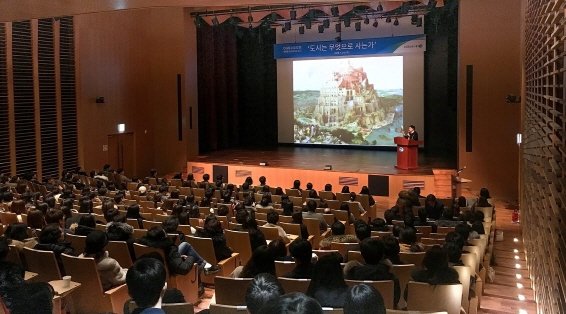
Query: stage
x=352, y=167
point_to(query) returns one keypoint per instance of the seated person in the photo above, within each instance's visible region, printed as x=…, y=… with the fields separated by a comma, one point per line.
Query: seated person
x=338, y=236
x=363, y=232
x=464, y=231
x=87, y=224
x=16, y=235
x=447, y=219
x=264, y=204
x=374, y=269
x=391, y=249
x=422, y=219
x=328, y=188
x=297, y=186
x=293, y=303
x=272, y=219
x=301, y=251
x=279, y=251
x=262, y=261
x=311, y=213
x=433, y=207
x=364, y=299
x=477, y=229
x=262, y=290
x=389, y=215
x=213, y=230
x=298, y=219
x=52, y=239
x=365, y=191
x=223, y=210
x=288, y=208
x=353, y=200
x=327, y=285
x=408, y=241
x=147, y=283
x=410, y=223
x=435, y=269
x=345, y=207
x=378, y=224
x=454, y=254
x=109, y=270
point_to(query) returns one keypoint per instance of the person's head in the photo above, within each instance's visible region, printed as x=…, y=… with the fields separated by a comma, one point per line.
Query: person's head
x=313, y=194
x=345, y=207
x=266, y=189
x=272, y=217
x=391, y=246
x=51, y=234
x=249, y=181
x=50, y=201
x=153, y=173
x=107, y=205
x=95, y=243
x=397, y=230
x=364, y=190
x=411, y=128
x=327, y=273
x=476, y=226
x=372, y=250
x=346, y=189
x=379, y=224
x=297, y=217
x=241, y=216
x=248, y=201
x=328, y=187
x=435, y=259
x=447, y=214
x=417, y=190
x=352, y=196
x=18, y=207
x=407, y=236
x=177, y=210
x=454, y=237
x=431, y=200
x=16, y=231
x=467, y=216
x=485, y=193
x=296, y=184
x=293, y=303
x=35, y=219
x=262, y=290
x=262, y=180
x=301, y=251
x=249, y=222
x=463, y=230
x=170, y=224
x=462, y=202
x=388, y=215
x=455, y=210
x=311, y=206
x=363, y=299
x=146, y=281
x=87, y=221
x=278, y=248
x=363, y=231
x=175, y=194
x=409, y=221
x=8, y=197
x=110, y=214
x=86, y=205
x=262, y=261
x=223, y=210
x=453, y=251
x=213, y=226
x=54, y=216
x=338, y=228
x=479, y=216
x=482, y=202
x=264, y=201
x=190, y=177
x=309, y=186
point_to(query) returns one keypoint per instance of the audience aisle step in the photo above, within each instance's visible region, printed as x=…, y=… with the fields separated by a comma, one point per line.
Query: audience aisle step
x=502, y=296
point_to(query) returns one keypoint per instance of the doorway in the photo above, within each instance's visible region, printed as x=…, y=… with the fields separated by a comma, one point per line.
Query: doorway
x=121, y=152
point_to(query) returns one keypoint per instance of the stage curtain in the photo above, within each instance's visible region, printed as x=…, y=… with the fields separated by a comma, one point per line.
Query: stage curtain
x=237, y=88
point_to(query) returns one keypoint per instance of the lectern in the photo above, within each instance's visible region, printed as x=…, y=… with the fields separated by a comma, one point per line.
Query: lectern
x=457, y=185
x=407, y=153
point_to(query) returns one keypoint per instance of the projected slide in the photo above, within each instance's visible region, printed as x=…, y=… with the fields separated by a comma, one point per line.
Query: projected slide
x=353, y=101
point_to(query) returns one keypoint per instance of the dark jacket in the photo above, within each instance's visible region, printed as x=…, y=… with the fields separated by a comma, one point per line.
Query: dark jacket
x=175, y=263
x=331, y=298
x=434, y=212
x=448, y=276
x=374, y=273
x=301, y=271
x=83, y=230
x=58, y=249
x=221, y=249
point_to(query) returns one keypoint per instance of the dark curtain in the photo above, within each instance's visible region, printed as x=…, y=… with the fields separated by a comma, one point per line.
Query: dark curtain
x=237, y=85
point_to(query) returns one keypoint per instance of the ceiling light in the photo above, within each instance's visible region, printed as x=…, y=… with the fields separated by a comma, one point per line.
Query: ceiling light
x=521, y=311
x=420, y=22
x=358, y=26
x=519, y=285
x=518, y=276
x=379, y=8
x=396, y=23
x=388, y=19
x=515, y=240
x=516, y=256
x=517, y=265
x=338, y=27
x=335, y=12
x=321, y=29
x=366, y=20
x=347, y=21
x=293, y=14
x=521, y=297
x=326, y=23
x=515, y=251
x=375, y=24
x=301, y=30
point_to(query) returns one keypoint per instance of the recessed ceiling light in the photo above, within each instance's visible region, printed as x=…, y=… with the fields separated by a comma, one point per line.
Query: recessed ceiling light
x=516, y=240
x=516, y=256
x=515, y=251
x=518, y=276
x=517, y=265
x=521, y=297
x=519, y=285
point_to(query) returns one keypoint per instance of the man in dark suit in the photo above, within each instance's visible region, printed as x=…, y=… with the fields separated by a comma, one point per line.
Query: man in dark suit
x=412, y=135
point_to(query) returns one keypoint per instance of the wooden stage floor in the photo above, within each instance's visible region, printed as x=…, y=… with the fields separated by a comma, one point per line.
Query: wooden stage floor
x=309, y=158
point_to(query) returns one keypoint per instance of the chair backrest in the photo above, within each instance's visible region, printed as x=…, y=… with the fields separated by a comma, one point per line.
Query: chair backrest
x=178, y=308
x=487, y=213
x=432, y=241
x=133, y=222
x=388, y=311
x=228, y=309
x=446, y=297
x=231, y=291
x=321, y=253
x=296, y=200
x=283, y=267
x=186, y=229
x=477, y=251
x=43, y=263
x=329, y=218
x=445, y=230
x=341, y=215
x=403, y=273
x=470, y=260
x=270, y=233
x=138, y=233
x=464, y=273
x=8, y=218
x=412, y=258
x=342, y=197
x=240, y=243
x=314, y=229
x=356, y=256
x=150, y=224
x=261, y=215
x=425, y=230
x=385, y=288
x=381, y=234
x=326, y=195
x=118, y=250
x=342, y=248
x=333, y=204
x=294, y=285
x=205, y=248
x=437, y=235
x=13, y=255
x=355, y=209
x=290, y=228
x=292, y=192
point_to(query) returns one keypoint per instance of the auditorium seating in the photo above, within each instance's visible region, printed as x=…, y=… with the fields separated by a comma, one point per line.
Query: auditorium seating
x=385, y=288
x=43, y=263
x=206, y=250
x=446, y=297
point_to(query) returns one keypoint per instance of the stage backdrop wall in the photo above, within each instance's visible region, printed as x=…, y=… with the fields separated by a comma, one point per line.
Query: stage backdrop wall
x=413, y=71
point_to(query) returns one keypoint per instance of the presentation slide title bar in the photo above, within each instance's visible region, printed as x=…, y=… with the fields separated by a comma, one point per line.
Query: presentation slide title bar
x=351, y=47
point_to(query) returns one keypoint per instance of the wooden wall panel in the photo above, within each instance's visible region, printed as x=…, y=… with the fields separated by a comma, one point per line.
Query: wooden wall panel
x=543, y=212
x=490, y=41
x=5, y=166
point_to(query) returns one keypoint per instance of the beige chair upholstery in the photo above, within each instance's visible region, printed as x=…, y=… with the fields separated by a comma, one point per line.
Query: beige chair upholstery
x=412, y=258
x=464, y=273
x=270, y=233
x=342, y=248
x=118, y=250
x=90, y=296
x=205, y=249
x=77, y=242
x=240, y=243
x=356, y=256
x=294, y=285
x=283, y=267
x=403, y=273
x=43, y=263
x=231, y=291
x=228, y=309
x=446, y=297
x=314, y=229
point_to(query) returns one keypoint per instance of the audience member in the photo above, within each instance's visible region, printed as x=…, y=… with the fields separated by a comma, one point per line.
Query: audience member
x=408, y=241
x=213, y=230
x=279, y=250
x=272, y=219
x=327, y=285
x=363, y=232
x=297, y=218
x=177, y=264
x=293, y=303
x=52, y=239
x=311, y=213
x=433, y=207
x=147, y=282
x=262, y=261
x=301, y=251
x=391, y=249
x=378, y=224
x=338, y=235
x=435, y=269
x=109, y=270
x=263, y=289
x=364, y=299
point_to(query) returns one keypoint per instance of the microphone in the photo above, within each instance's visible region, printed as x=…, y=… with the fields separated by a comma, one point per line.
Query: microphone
x=461, y=170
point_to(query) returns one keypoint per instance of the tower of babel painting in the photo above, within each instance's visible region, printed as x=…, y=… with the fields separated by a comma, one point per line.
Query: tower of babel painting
x=347, y=93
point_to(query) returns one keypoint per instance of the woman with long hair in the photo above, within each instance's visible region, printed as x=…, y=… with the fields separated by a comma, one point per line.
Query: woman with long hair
x=327, y=284
x=262, y=261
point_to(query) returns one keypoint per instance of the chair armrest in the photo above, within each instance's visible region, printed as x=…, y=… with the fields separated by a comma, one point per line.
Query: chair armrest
x=118, y=296
x=325, y=234
x=117, y=289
